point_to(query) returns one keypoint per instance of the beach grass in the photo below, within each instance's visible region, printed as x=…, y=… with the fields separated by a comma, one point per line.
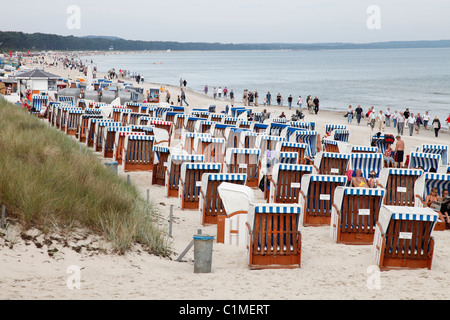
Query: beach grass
x=49, y=182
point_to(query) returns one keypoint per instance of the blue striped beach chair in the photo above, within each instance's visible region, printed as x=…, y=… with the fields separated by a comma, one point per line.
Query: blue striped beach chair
x=245, y=124
x=134, y=106
x=203, y=126
x=341, y=135
x=109, y=137
x=218, y=129
x=440, y=149
x=173, y=169
x=211, y=148
x=190, y=182
x=310, y=139
x=299, y=148
x=161, y=155
x=84, y=125
x=210, y=206
x=161, y=110
x=285, y=182
x=423, y=187
x=403, y=238
x=248, y=139
x=399, y=185
x=303, y=125
x=99, y=133
x=190, y=122
x=231, y=120
x=216, y=117
x=38, y=102
x=188, y=138
x=274, y=237
x=200, y=114
x=329, y=128
x=331, y=163
x=119, y=144
x=287, y=157
x=378, y=141
x=317, y=193
x=363, y=149
x=366, y=162
x=170, y=116
x=67, y=100
x=266, y=142
x=231, y=226
x=425, y=161
x=245, y=161
x=275, y=128
x=354, y=214
x=278, y=120
x=233, y=137
x=260, y=127
x=73, y=121
x=178, y=129
x=138, y=153
x=334, y=146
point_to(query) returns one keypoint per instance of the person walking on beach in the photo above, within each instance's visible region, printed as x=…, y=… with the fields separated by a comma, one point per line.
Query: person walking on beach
x=381, y=121
x=418, y=123
x=448, y=121
x=268, y=97
x=245, y=97
x=279, y=99
x=184, y=83
x=290, y=101
x=183, y=98
x=358, y=114
x=406, y=113
x=181, y=82
x=206, y=89
x=219, y=92
x=426, y=119
x=256, y=98
x=299, y=101
x=349, y=114
x=411, y=122
x=167, y=96
x=399, y=151
x=316, y=105
x=394, y=118
x=232, y=97
x=225, y=92
x=400, y=123
x=372, y=118
x=436, y=126
x=387, y=117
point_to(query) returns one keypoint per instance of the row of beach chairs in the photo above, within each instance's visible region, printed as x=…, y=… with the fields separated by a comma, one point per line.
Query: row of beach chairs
x=221, y=159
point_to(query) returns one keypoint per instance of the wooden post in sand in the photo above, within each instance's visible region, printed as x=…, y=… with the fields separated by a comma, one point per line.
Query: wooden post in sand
x=170, y=220
x=3, y=216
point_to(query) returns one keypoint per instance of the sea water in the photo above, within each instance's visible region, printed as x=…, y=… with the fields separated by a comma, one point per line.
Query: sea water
x=418, y=79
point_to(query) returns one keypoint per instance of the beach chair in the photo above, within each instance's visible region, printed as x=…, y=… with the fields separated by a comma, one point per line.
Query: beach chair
x=260, y=127
x=173, y=169
x=248, y=139
x=160, y=111
x=37, y=103
x=231, y=226
x=231, y=120
x=299, y=148
x=189, y=123
x=286, y=182
x=274, y=238
x=303, y=125
x=161, y=155
x=267, y=143
x=242, y=160
x=73, y=121
x=354, y=214
x=134, y=106
x=363, y=149
x=424, y=160
x=423, y=187
x=216, y=117
x=317, y=193
x=233, y=137
x=403, y=238
x=200, y=114
x=439, y=149
x=91, y=130
x=84, y=125
x=119, y=144
x=164, y=125
x=203, y=126
x=218, y=130
x=341, y=135
x=190, y=182
x=275, y=128
x=67, y=100
x=366, y=162
x=138, y=153
x=109, y=137
x=134, y=118
x=329, y=128
x=245, y=124
x=188, y=139
x=287, y=157
x=210, y=206
x=399, y=185
x=211, y=148
x=178, y=126
x=310, y=139
x=100, y=127
x=330, y=163
x=63, y=117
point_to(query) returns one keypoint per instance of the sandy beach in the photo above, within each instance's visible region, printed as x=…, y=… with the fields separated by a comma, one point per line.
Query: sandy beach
x=34, y=266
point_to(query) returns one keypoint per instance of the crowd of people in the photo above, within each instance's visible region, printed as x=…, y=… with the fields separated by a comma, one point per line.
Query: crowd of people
x=402, y=121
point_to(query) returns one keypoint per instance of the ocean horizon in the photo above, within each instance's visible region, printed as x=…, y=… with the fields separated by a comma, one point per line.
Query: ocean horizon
x=418, y=79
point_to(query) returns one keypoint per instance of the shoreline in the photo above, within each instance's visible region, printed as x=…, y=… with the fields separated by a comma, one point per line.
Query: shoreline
x=328, y=271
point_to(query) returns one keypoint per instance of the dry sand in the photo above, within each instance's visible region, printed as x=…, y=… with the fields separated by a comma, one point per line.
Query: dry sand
x=37, y=267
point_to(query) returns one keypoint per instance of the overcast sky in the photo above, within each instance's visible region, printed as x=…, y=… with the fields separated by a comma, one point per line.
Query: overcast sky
x=235, y=21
